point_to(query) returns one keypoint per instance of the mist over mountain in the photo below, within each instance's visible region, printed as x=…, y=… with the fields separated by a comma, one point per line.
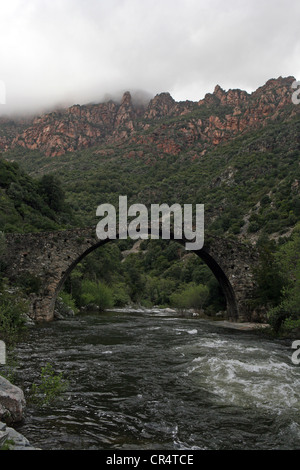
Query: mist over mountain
x=56, y=54
x=160, y=122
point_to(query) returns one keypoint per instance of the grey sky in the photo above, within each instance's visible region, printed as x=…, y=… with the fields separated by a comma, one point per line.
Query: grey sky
x=74, y=51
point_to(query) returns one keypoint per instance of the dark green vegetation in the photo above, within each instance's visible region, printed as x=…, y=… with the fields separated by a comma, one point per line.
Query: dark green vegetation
x=248, y=181
x=28, y=204
x=160, y=273
x=50, y=386
x=249, y=187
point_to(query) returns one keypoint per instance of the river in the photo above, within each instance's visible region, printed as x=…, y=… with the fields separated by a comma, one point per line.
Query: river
x=155, y=380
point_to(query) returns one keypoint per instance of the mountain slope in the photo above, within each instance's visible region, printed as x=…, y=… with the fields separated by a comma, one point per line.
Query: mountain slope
x=240, y=158
x=164, y=126
x=237, y=153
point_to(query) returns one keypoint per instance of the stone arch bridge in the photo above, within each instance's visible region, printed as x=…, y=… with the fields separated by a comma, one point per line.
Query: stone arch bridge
x=51, y=256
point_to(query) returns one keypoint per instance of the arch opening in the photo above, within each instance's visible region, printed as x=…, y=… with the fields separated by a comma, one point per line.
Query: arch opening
x=209, y=261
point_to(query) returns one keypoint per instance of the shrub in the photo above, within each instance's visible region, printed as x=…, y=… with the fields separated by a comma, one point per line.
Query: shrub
x=12, y=320
x=96, y=293
x=68, y=300
x=120, y=295
x=50, y=387
x=193, y=296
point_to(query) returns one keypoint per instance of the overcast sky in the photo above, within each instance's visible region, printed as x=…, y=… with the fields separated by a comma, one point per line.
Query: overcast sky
x=56, y=52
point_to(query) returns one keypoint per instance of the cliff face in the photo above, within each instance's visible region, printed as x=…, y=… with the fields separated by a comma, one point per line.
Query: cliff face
x=164, y=124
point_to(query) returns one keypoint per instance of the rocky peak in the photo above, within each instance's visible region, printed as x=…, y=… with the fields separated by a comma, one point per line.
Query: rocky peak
x=126, y=99
x=219, y=92
x=224, y=115
x=125, y=114
x=160, y=106
x=275, y=92
x=232, y=97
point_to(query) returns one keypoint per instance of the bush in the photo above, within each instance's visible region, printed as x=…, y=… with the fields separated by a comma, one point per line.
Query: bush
x=51, y=386
x=96, y=293
x=290, y=324
x=289, y=262
x=193, y=296
x=68, y=300
x=12, y=320
x=277, y=317
x=120, y=295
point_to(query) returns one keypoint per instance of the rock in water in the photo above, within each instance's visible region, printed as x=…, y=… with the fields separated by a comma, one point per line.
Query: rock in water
x=12, y=402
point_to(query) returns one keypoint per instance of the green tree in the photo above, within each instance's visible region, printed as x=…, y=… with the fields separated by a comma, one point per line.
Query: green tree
x=268, y=277
x=51, y=386
x=288, y=258
x=96, y=293
x=12, y=320
x=52, y=192
x=192, y=296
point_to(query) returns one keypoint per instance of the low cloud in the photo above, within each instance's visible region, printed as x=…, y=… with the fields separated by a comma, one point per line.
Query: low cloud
x=58, y=53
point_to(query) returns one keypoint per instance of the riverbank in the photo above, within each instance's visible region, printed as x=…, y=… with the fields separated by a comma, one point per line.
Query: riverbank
x=12, y=406
x=219, y=320
x=10, y=439
x=243, y=326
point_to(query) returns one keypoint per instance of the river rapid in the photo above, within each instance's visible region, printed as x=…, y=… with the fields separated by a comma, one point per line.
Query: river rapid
x=156, y=380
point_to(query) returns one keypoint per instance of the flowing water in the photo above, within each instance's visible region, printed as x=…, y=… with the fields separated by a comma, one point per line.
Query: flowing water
x=154, y=380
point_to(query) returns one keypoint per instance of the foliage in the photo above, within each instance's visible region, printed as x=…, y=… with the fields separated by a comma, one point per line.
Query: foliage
x=192, y=296
x=120, y=295
x=96, y=293
x=68, y=300
x=268, y=276
x=288, y=258
x=30, y=205
x=8, y=445
x=51, y=386
x=12, y=321
x=51, y=190
x=252, y=175
x=290, y=325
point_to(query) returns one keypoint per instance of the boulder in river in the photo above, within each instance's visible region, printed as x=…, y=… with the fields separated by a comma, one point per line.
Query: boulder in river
x=12, y=402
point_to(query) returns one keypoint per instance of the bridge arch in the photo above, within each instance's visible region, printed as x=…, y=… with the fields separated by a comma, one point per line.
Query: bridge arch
x=51, y=257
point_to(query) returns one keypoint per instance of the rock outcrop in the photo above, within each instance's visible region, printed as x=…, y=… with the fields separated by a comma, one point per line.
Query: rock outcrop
x=12, y=408
x=10, y=439
x=12, y=402
x=164, y=124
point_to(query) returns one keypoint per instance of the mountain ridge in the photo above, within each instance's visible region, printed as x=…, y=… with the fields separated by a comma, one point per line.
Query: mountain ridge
x=165, y=124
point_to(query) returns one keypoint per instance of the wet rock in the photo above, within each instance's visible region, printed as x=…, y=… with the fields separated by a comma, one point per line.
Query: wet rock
x=3, y=434
x=12, y=402
x=62, y=310
x=13, y=440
